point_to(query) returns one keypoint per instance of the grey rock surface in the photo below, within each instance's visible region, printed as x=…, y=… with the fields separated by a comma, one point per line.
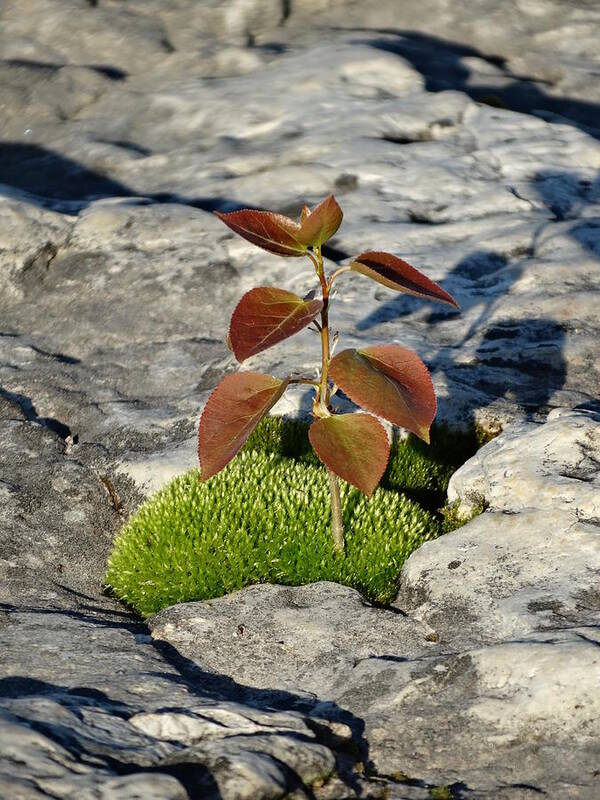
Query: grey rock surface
x=464, y=139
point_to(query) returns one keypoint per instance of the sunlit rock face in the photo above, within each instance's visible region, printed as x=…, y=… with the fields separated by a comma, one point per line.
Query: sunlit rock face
x=462, y=139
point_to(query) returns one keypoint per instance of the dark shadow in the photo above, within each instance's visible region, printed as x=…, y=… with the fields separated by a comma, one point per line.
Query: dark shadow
x=226, y=688
x=122, y=620
x=56, y=181
x=269, y=48
x=38, y=171
x=478, y=280
x=440, y=62
x=569, y=196
x=28, y=409
x=520, y=359
x=110, y=72
x=197, y=682
x=62, y=358
x=90, y=599
x=113, y=73
x=124, y=144
x=195, y=777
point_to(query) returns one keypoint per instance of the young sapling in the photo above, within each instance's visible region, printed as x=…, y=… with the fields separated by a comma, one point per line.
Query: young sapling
x=387, y=380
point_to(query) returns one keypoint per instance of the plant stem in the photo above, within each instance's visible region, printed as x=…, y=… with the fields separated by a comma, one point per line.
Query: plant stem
x=323, y=393
x=337, y=273
x=337, y=526
x=322, y=406
x=322, y=398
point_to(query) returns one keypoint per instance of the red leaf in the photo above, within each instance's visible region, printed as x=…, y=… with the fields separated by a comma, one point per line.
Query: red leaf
x=396, y=274
x=354, y=446
x=272, y=232
x=265, y=316
x=321, y=223
x=231, y=413
x=390, y=381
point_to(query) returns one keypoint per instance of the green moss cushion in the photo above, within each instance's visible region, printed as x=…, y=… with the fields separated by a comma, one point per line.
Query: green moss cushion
x=265, y=518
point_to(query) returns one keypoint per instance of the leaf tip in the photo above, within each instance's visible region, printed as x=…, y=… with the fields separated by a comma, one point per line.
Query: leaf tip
x=424, y=434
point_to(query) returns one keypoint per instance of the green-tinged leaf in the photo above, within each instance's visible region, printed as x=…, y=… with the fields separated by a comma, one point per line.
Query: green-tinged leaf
x=397, y=274
x=390, y=381
x=354, y=446
x=231, y=413
x=273, y=232
x=321, y=223
x=265, y=316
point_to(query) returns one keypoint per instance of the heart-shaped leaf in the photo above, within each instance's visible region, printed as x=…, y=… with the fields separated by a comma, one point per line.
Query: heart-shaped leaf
x=273, y=232
x=265, y=316
x=231, y=413
x=390, y=381
x=321, y=223
x=354, y=446
x=397, y=274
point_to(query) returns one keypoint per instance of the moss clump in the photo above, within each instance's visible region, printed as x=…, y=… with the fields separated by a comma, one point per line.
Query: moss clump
x=265, y=518
x=441, y=793
x=422, y=471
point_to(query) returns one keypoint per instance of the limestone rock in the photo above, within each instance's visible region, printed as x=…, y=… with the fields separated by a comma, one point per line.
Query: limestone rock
x=303, y=630
x=552, y=467
x=531, y=562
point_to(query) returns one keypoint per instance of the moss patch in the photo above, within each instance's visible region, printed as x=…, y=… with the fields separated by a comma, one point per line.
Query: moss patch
x=265, y=518
x=441, y=793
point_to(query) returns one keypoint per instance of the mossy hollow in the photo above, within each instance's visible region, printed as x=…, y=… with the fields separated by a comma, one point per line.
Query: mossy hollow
x=265, y=518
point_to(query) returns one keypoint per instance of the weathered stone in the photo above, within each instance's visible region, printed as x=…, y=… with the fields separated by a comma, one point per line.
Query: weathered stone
x=531, y=562
x=552, y=467
x=298, y=628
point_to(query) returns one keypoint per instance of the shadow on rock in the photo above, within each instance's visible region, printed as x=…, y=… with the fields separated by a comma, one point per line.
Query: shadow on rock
x=520, y=360
x=95, y=728
x=441, y=63
x=226, y=688
x=517, y=359
x=514, y=357
x=50, y=178
x=38, y=171
x=81, y=703
x=53, y=180
x=571, y=196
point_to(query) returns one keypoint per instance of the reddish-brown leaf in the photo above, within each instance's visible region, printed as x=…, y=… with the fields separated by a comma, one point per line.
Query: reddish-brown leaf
x=397, y=274
x=231, y=413
x=265, y=316
x=390, y=381
x=354, y=446
x=272, y=232
x=321, y=223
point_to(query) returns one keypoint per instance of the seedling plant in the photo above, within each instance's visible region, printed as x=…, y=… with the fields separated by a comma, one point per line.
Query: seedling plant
x=386, y=380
